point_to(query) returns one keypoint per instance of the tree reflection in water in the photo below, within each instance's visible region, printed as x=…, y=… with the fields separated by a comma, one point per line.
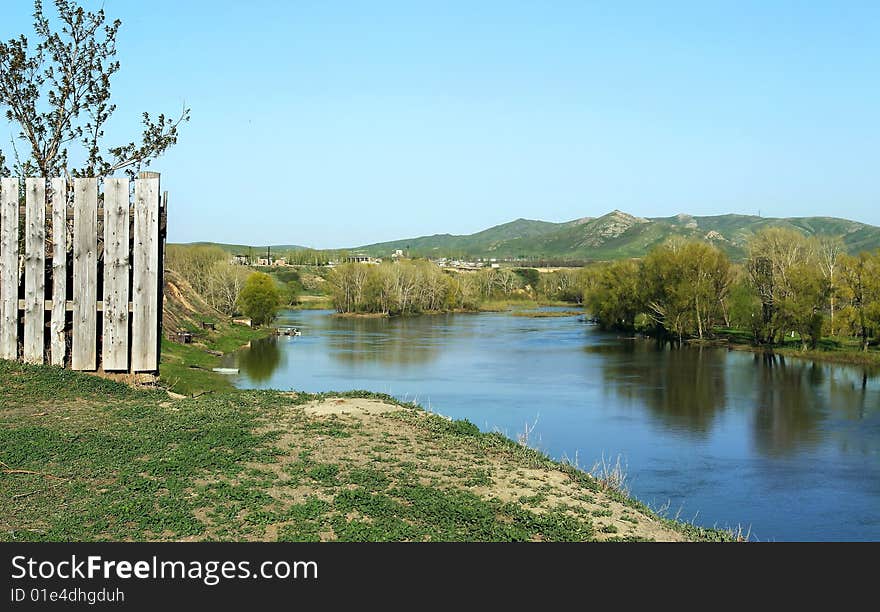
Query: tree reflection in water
x=788, y=404
x=260, y=359
x=789, y=400
x=409, y=341
x=683, y=387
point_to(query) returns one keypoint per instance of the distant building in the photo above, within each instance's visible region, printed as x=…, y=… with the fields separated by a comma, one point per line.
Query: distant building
x=280, y=262
x=264, y=261
x=398, y=253
x=240, y=260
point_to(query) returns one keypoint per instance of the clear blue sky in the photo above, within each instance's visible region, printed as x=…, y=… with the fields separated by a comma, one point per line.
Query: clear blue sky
x=334, y=124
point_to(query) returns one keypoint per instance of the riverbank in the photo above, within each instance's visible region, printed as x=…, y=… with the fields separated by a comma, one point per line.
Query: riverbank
x=187, y=369
x=86, y=458
x=841, y=351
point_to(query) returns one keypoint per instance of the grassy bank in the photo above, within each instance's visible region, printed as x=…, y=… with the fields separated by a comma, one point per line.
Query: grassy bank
x=85, y=458
x=518, y=304
x=313, y=302
x=834, y=350
x=186, y=368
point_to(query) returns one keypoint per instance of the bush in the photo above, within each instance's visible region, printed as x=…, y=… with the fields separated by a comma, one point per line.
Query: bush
x=260, y=298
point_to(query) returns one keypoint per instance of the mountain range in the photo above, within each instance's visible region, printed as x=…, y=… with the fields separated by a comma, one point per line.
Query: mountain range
x=618, y=234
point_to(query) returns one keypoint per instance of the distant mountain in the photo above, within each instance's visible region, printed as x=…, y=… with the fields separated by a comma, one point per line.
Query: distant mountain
x=243, y=249
x=481, y=242
x=618, y=234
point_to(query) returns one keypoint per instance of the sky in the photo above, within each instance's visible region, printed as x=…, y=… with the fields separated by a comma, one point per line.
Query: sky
x=337, y=124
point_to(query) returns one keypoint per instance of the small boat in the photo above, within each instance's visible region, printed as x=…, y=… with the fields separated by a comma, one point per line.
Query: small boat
x=288, y=331
x=226, y=370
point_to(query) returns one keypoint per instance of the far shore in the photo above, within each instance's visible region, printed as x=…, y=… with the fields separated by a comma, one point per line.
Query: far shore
x=529, y=309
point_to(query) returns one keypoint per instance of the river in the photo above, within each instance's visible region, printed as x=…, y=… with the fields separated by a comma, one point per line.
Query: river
x=786, y=448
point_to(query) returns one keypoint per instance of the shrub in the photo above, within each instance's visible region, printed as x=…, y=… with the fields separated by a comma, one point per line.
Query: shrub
x=260, y=298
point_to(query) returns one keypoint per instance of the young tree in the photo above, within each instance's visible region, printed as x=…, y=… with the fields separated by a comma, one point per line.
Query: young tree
x=615, y=298
x=685, y=284
x=194, y=263
x=860, y=281
x=260, y=298
x=225, y=282
x=57, y=92
x=829, y=249
x=804, y=302
x=773, y=254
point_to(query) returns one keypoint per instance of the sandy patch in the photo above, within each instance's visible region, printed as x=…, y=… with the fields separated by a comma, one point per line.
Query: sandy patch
x=348, y=405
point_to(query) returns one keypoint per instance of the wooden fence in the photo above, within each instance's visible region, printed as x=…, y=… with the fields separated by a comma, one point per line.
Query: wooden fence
x=81, y=272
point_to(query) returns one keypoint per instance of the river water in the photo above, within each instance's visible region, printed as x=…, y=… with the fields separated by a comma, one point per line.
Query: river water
x=786, y=448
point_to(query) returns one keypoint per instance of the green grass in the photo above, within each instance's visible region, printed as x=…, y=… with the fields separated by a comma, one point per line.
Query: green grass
x=542, y=314
x=838, y=349
x=517, y=304
x=86, y=458
x=186, y=368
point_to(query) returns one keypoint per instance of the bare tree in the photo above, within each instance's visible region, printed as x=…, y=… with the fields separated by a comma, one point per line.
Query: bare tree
x=57, y=92
x=829, y=249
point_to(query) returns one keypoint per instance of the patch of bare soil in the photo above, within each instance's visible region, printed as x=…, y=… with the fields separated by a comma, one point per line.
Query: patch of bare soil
x=353, y=433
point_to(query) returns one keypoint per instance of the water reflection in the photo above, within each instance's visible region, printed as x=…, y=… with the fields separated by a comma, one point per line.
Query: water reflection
x=789, y=401
x=789, y=404
x=682, y=387
x=397, y=341
x=260, y=360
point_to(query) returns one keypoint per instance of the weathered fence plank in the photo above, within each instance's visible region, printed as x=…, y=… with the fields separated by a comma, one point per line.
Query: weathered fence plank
x=145, y=286
x=129, y=268
x=34, y=269
x=58, y=340
x=85, y=250
x=114, y=352
x=8, y=268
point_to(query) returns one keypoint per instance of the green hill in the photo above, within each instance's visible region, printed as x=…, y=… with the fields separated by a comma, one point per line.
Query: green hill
x=483, y=242
x=243, y=249
x=618, y=234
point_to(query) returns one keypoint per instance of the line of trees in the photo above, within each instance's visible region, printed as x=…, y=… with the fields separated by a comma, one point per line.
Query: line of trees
x=414, y=286
x=788, y=283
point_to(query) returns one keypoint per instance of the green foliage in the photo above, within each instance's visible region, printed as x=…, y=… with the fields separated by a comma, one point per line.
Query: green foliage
x=565, y=285
x=57, y=92
x=684, y=285
x=208, y=270
x=744, y=307
x=529, y=276
x=614, y=294
x=260, y=298
x=412, y=286
x=860, y=292
x=789, y=287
